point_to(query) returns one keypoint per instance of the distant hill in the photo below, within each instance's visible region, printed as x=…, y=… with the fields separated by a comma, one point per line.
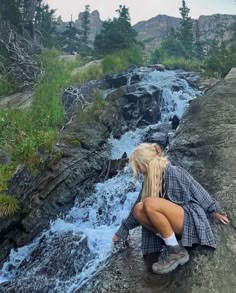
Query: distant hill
x=213, y=27
x=153, y=31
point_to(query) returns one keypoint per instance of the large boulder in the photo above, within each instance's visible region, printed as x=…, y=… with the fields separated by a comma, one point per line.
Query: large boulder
x=131, y=106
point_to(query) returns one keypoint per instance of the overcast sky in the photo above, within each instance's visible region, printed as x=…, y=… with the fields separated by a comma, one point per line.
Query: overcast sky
x=142, y=10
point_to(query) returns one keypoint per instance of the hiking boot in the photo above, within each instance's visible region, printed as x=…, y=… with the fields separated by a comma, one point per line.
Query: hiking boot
x=170, y=258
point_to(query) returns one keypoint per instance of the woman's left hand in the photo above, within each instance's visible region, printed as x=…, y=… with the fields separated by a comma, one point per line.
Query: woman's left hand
x=223, y=219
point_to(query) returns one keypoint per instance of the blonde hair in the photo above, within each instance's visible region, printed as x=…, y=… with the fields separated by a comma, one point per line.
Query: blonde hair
x=149, y=155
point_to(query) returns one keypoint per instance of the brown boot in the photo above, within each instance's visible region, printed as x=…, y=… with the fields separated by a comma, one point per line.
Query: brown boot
x=170, y=258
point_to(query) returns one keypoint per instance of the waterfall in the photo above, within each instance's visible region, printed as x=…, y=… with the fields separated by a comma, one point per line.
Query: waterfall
x=76, y=247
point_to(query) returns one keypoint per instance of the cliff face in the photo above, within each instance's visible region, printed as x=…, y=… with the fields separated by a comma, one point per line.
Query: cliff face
x=213, y=27
x=153, y=31
x=95, y=24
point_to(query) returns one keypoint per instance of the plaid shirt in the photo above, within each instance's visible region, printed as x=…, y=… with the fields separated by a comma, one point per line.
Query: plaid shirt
x=184, y=190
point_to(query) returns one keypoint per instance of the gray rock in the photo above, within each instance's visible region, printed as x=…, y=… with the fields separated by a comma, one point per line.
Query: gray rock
x=70, y=171
x=130, y=107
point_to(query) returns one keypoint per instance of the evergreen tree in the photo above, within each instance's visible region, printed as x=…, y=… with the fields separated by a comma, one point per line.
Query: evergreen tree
x=10, y=12
x=198, y=45
x=69, y=39
x=85, y=26
x=116, y=34
x=45, y=24
x=172, y=46
x=186, y=30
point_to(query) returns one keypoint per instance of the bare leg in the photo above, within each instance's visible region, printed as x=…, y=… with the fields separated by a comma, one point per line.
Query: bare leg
x=165, y=216
x=142, y=218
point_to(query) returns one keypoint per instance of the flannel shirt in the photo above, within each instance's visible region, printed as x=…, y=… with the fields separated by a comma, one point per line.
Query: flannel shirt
x=184, y=190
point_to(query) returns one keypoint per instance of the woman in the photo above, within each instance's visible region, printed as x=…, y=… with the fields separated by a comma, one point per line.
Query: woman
x=170, y=203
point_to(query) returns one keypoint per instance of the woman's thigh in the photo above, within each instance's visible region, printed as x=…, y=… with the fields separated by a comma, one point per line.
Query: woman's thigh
x=172, y=211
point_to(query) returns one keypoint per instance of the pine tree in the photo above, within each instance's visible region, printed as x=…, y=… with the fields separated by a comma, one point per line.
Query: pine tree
x=172, y=46
x=198, y=46
x=70, y=41
x=186, y=30
x=85, y=26
x=116, y=34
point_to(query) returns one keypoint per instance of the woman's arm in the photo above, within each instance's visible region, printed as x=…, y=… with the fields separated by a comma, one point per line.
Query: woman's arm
x=128, y=224
x=205, y=200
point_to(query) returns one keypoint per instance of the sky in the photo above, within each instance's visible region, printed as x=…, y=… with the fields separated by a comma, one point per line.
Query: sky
x=141, y=10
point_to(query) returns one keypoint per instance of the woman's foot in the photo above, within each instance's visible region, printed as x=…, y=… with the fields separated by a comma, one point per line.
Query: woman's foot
x=170, y=258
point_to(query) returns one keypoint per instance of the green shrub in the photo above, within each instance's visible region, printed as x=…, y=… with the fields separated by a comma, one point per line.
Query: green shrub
x=6, y=173
x=175, y=62
x=24, y=131
x=8, y=205
x=90, y=72
x=121, y=60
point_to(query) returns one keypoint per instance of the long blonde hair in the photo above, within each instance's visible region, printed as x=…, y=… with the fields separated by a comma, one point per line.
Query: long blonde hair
x=150, y=156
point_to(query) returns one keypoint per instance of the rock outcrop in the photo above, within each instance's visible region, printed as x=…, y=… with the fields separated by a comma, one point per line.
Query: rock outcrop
x=131, y=106
x=212, y=27
x=205, y=145
x=73, y=168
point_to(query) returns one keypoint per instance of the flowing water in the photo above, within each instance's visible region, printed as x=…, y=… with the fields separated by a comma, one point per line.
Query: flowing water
x=76, y=247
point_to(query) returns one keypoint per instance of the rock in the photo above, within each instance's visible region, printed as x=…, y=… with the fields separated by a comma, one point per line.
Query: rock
x=19, y=100
x=75, y=99
x=55, y=257
x=206, y=84
x=158, y=134
x=212, y=27
x=112, y=167
x=158, y=137
x=158, y=67
x=130, y=107
x=231, y=74
x=73, y=167
x=116, y=80
x=175, y=121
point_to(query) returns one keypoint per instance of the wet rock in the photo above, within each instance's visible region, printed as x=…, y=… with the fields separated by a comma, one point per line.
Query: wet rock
x=59, y=257
x=112, y=167
x=192, y=78
x=158, y=134
x=175, y=121
x=116, y=80
x=158, y=67
x=130, y=107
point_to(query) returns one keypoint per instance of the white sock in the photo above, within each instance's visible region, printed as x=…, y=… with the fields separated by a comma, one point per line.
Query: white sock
x=171, y=241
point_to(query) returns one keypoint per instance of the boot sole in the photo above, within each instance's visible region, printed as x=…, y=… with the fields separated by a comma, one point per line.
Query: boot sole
x=174, y=266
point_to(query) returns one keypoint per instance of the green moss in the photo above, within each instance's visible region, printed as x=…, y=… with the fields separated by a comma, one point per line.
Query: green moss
x=8, y=205
x=56, y=157
x=72, y=139
x=6, y=173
